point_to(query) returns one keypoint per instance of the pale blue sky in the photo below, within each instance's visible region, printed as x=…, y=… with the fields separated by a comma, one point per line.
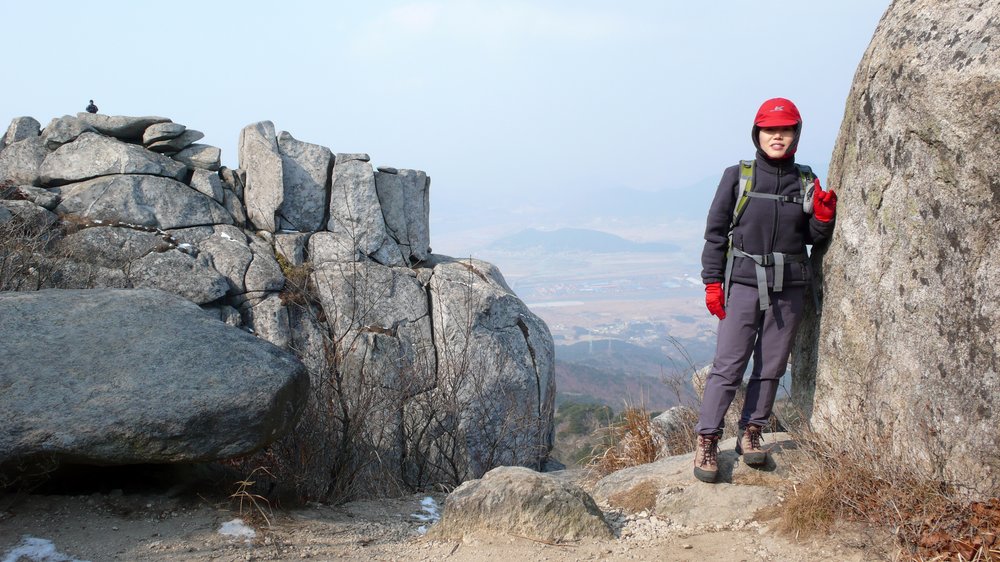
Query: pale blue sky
x=507, y=105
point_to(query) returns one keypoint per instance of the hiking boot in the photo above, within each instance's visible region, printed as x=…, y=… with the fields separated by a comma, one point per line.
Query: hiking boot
x=749, y=445
x=706, y=458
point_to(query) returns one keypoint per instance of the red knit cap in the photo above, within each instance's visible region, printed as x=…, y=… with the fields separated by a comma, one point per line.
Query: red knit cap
x=777, y=112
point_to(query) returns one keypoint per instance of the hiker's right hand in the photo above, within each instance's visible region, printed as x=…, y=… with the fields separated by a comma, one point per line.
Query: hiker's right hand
x=713, y=300
x=824, y=203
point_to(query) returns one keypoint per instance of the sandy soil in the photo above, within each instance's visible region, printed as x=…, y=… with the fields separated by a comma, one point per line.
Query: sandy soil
x=157, y=526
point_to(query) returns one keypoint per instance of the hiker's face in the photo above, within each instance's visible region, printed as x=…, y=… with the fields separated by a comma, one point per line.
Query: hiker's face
x=775, y=141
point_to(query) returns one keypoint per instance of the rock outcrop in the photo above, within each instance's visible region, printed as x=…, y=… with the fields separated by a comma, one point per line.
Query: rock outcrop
x=140, y=376
x=425, y=370
x=910, y=331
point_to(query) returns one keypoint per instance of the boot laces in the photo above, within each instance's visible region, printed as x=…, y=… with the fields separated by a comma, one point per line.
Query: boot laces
x=709, y=451
x=756, y=437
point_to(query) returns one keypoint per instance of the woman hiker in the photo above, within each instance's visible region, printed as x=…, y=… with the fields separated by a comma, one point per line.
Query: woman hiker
x=754, y=264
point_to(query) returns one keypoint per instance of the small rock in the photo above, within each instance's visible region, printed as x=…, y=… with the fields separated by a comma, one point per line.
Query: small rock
x=162, y=131
x=686, y=546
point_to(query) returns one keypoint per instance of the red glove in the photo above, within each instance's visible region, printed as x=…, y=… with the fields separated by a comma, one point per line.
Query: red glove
x=824, y=203
x=713, y=300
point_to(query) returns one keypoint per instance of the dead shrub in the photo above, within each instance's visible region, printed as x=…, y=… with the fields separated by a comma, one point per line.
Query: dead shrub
x=682, y=438
x=861, y=480
x=633, y=440
x=297, y=290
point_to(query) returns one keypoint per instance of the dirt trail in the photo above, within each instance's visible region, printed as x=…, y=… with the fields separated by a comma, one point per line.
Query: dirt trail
x=146, y=526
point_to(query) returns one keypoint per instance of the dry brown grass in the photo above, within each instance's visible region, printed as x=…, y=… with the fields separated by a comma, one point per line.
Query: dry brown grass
x=633, y=441
x=254, y=507
x=641, y=497
x=862, y=481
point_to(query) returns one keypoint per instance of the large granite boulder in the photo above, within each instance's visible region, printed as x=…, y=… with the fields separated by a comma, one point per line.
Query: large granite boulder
x=355, y=211
x=116, y=247
x=200, y=156
x=259, y=157
x=381, y=316
x=176, y=144
x=173, y=271
x=910, y=327
x=136, y=376
x=521, y=502
x=248, y=264
x=305, y=176
x=498, y=360
x=404, y=196
x=142, y=200
x=92, y=155
x=20, y=162
x=21, y=128
x=162, y=131
x=62, y=130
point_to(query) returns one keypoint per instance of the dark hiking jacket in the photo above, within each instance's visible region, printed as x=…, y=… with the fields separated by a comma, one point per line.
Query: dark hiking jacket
x=766, y=225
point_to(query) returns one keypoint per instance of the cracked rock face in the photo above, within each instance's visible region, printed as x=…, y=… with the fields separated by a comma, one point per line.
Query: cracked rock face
x=908, y=340
x=502, y=359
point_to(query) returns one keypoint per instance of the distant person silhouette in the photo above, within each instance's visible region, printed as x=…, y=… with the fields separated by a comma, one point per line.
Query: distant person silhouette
x=91, y=108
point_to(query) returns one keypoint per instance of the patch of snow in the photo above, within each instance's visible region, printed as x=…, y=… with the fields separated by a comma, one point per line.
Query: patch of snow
x=38, y=550
x=431, y=512
x=237, y=528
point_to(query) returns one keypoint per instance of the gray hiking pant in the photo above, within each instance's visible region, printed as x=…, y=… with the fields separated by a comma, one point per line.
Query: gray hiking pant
x=768, y=335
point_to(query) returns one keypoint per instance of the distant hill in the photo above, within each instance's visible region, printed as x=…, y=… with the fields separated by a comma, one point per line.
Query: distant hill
x=581, y=384
x=612, y=371
x=575, y=240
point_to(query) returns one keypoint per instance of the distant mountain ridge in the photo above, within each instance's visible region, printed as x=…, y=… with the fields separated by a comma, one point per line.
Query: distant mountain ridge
x=575, y=239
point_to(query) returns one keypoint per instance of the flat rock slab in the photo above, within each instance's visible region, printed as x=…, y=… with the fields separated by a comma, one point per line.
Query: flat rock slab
x=142, y=200
x=120, y=126
x=115, y=377
x=738, y=493
x=92, y=155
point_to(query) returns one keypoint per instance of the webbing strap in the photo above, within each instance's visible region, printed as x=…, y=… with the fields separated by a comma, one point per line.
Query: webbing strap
x=743, y=189
x=779, y=272
x=775, y=259
x=782, y=198
x=729, y=273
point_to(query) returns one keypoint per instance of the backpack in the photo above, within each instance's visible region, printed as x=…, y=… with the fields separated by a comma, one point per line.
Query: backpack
x=743, y=191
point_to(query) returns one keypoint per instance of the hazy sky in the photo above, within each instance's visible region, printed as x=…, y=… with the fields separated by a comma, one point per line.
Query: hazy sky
x=507, y=105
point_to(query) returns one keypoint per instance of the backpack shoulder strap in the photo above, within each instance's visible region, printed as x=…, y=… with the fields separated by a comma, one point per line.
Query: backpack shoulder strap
x=743, y=187
x=806, y=177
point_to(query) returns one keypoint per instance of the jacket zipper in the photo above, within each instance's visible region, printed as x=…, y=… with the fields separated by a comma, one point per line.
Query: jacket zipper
x=774, y=231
